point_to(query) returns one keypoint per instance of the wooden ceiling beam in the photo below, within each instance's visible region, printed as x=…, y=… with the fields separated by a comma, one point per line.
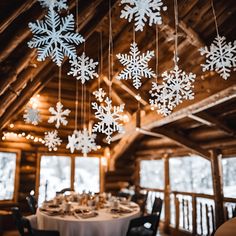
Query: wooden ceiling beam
x=154, y=120
x=213, y=121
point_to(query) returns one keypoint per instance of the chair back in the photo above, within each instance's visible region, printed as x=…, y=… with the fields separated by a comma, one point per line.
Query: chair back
x=141, y=200
x=22, y=224
x=65, y=190
x=157, y=206
x=144, y=225
x=32, y=203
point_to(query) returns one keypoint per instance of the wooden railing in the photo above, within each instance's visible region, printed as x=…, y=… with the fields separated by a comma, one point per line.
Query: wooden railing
x=192, y=212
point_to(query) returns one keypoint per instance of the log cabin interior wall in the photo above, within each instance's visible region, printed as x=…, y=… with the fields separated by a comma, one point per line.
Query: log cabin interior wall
x=200, y=126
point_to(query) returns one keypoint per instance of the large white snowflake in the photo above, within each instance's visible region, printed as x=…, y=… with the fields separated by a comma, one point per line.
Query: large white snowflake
x=59, y=4
x=220, y=57
x=54, y=37
x=136, y=65
x=72, y=142
x=83, y=68
x=52, y=140
x=86, y=141
x=140, y=10
x=58, y=115
x=99, y=94
x=176, y=86
x=32, y=116
x=109, y=118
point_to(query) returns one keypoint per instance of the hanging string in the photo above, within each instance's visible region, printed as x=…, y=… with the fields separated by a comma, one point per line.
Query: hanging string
x=59, y=85
x=157, y=53
x=76, y=105
x=214, y=13
x=82, y=105
x=133, y=34
x=109, y=50
x=101, y=60
x=77, y=15
x=176, y=31
x=85, y=105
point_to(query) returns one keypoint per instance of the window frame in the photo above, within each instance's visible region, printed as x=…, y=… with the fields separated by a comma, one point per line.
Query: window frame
x=72, y=177
x=14, y=200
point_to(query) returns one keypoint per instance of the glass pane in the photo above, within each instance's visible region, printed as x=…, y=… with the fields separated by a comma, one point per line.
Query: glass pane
x=87, y=174
x=7, y=175
x=229, y=180
x=55, y=172
x=152, y=174
x=191, y=174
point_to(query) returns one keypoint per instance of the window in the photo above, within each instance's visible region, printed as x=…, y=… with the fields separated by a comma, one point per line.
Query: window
x=191, y=174
x=229, y=173
x=8, y=170
x=87, y=174
x=55, y=174
x=152, y=174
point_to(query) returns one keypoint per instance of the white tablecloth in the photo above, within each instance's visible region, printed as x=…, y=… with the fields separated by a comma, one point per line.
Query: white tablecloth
x=102, y=225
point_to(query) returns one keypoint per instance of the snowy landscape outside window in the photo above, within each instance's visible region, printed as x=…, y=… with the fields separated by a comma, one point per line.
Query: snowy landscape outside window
x=152, y=174
x=56, y=172
x=87, y=174
x=191, y=174
x=7, y=175
x=229, y=177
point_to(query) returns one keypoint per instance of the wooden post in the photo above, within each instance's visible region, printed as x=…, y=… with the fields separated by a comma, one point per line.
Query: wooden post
x=176, y=211
x=166, y=193
x=216, y=168
x=194, y=215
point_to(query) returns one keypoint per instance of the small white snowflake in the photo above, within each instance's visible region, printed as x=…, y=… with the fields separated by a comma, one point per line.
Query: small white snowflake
x=72, y=142
x=177, y=85
x=83, y=68
x=59, y=4
x=136, y=65
x=86, y=141
x=140, y=10
x=54, y=37
x=52, y=140
x=32, y=116
x=99, y=94
x=58, y=115
x=109, y=118
x=220, y=57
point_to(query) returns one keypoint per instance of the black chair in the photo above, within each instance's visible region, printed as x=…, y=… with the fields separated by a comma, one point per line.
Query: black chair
x=32, y=203
x=144, y=226
x=141, y=200
x=24, y=227
x=65, y=190
x=157, y=206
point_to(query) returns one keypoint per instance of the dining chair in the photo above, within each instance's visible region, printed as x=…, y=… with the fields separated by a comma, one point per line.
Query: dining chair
x=144, y=226
x=32, y=203
x=141, y=200
x=157, y=206
x=24, y=227
x=65, y=190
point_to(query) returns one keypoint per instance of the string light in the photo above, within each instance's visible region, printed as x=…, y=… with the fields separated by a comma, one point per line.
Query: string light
x=14, y=135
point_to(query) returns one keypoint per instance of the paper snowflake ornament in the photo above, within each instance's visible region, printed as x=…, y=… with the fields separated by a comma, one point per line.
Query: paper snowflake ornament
x=220, y=56
x=136, y=65
x=54, y=37
x=52, y=140
x=176, y=86
x=109, y=117
x=32, y=116
x=142, y=11
x=83, y=68
x=58, y=115
x=86, y=141
x=59, y=4
x=99, y=94
x=73, y=142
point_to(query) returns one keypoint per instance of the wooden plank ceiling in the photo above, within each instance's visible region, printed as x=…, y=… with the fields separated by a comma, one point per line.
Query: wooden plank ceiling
x=194, y=124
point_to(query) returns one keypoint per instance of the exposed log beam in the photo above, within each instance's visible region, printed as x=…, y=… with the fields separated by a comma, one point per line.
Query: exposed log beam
x=213, y=121
x=184, y=142
x=153, y=120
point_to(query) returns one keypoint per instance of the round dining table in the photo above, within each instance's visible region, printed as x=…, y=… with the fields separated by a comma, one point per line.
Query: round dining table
x=105, y=223
x=227, y=229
